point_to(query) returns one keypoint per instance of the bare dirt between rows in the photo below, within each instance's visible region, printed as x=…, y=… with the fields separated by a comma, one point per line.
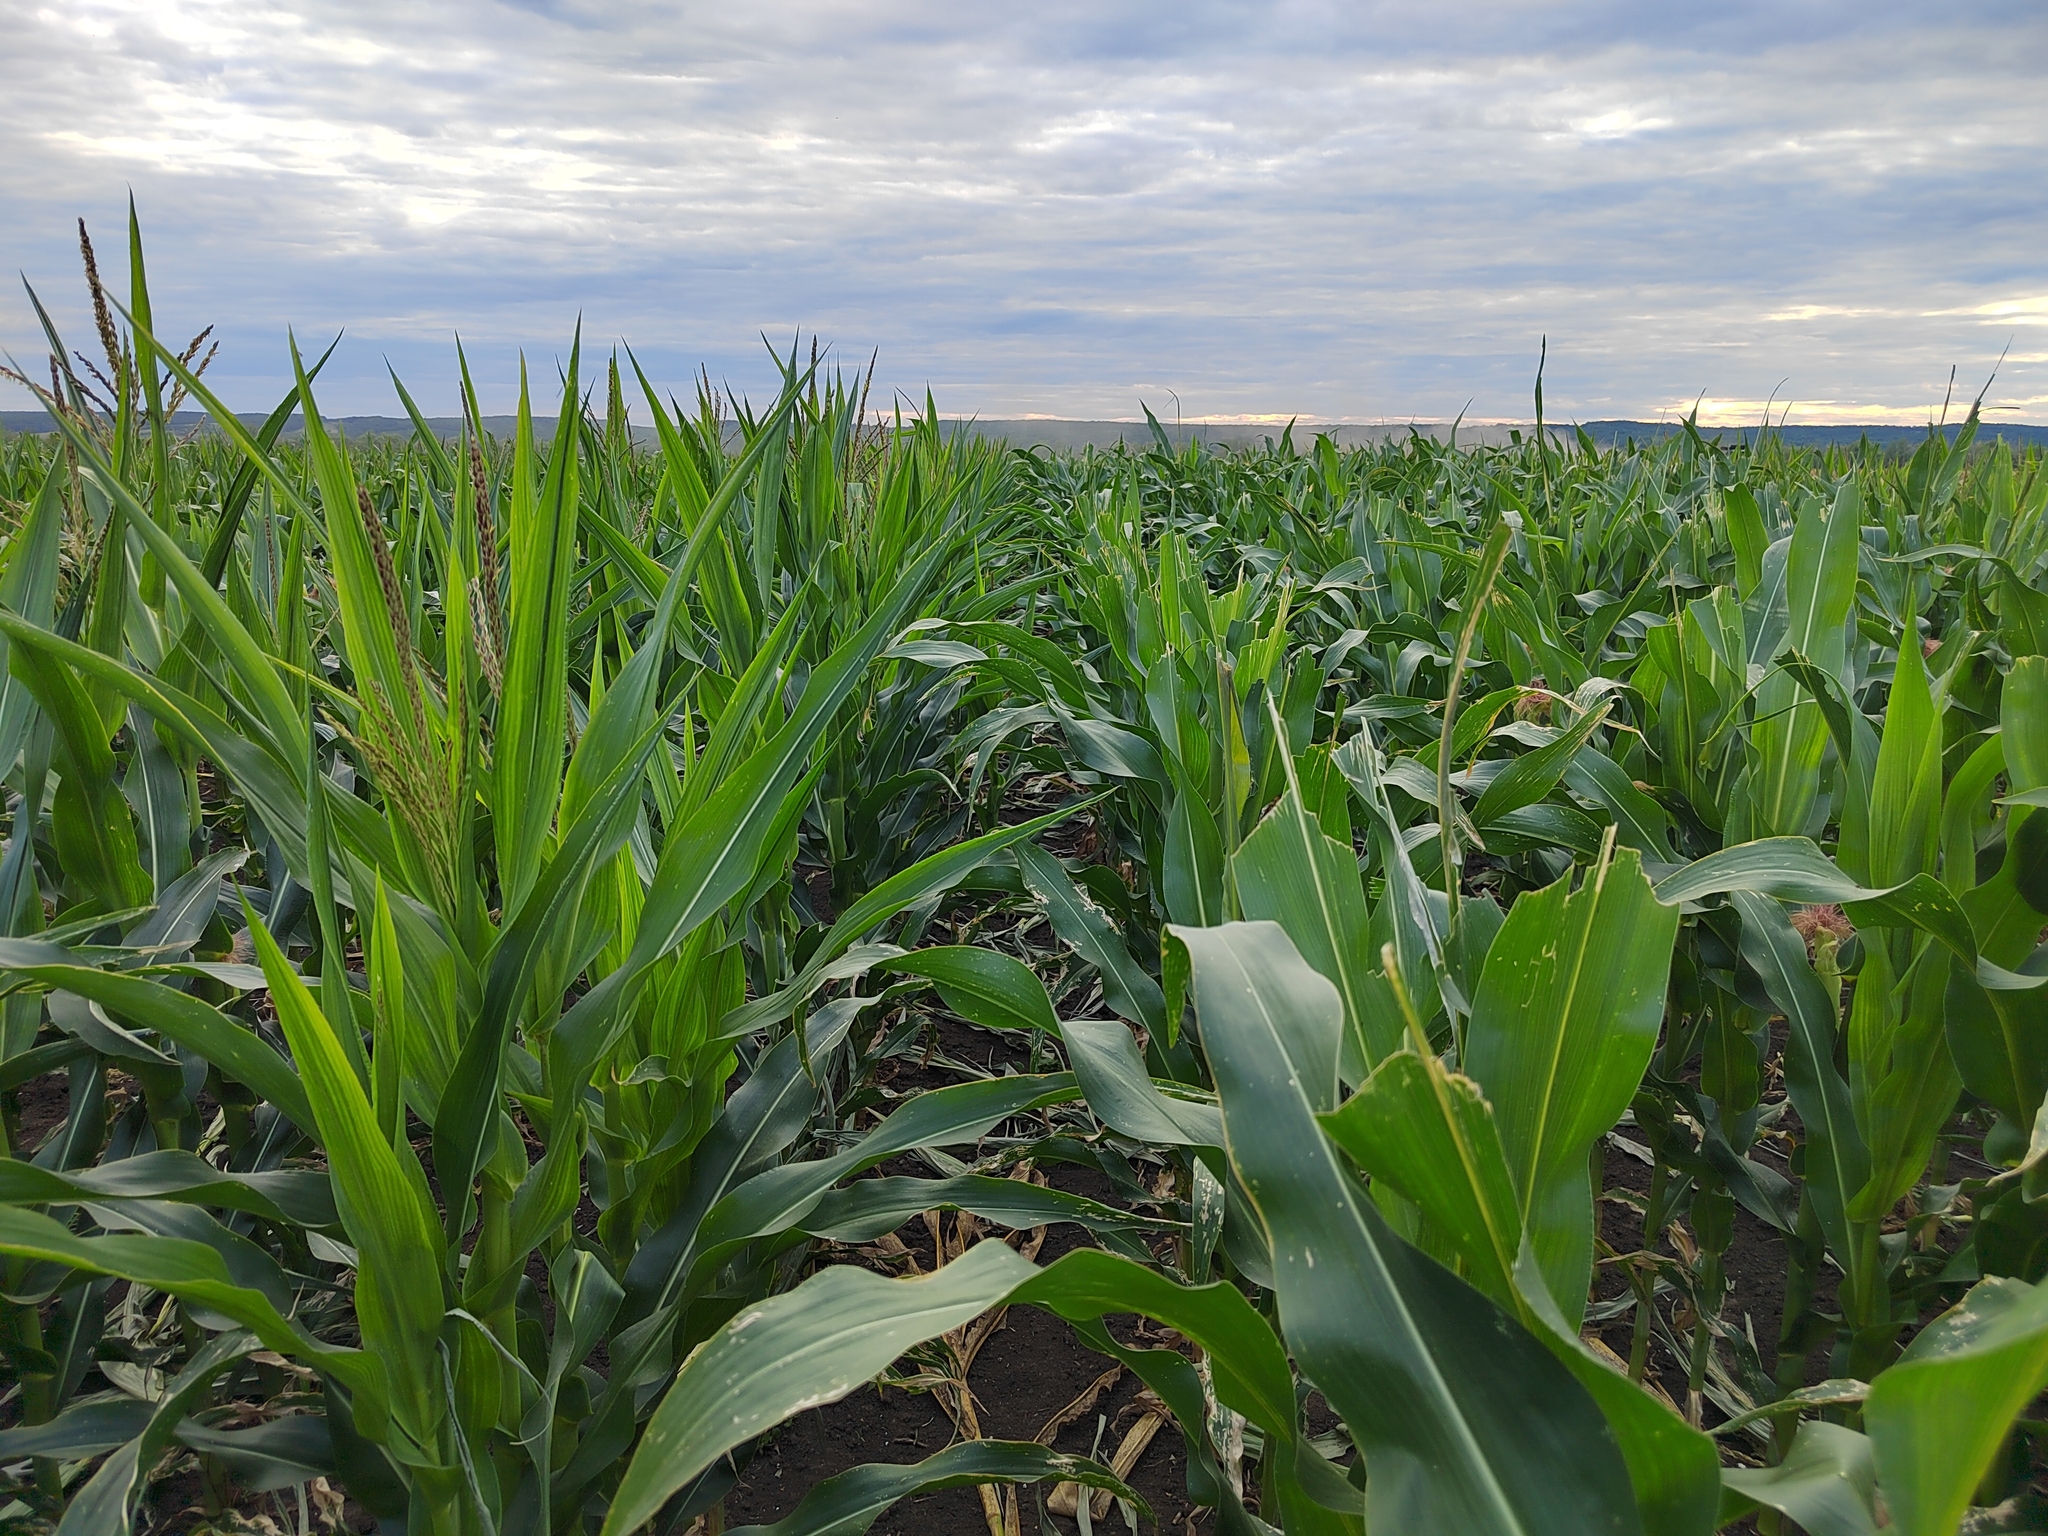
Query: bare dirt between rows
x=1034, y=1365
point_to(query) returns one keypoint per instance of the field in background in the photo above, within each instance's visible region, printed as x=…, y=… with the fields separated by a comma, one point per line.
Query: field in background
x=1077, y=436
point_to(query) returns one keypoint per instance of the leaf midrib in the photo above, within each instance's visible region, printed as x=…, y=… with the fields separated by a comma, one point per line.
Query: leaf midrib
x=1474, y=1455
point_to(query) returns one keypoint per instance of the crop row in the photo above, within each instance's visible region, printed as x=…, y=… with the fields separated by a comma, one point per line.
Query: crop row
x=466, y=904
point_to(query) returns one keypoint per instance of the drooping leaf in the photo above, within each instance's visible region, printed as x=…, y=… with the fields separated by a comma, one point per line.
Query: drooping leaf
x=1131, y=990
x=1414, y=1359
x=1826, y=1482
x=983, y=985
x=1939, y=1414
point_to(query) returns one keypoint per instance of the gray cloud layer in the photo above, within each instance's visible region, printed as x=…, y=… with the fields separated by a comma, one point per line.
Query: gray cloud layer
x=1342, y=211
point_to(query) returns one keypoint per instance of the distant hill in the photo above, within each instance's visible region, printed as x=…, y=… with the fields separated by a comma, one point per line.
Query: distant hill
x=1884, y=434
x=352, y=426
x=1072, y=436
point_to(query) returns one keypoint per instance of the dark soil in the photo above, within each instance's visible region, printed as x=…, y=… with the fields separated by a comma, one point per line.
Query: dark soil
x=44, y=1103
x=1031, y=1368
x=1034, y=1365
x=1754, y=1264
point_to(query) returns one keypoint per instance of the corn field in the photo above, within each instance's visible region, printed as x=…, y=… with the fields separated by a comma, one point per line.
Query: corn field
x=488, y=927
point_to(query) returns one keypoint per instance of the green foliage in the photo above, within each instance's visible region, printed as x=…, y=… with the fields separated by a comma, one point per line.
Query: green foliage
x=468, y=900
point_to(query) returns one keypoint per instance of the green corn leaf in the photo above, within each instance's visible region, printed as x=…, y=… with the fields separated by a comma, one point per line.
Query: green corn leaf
x=150, y=380
x=745, y=718
x=1964, y=801
x=1939, y=1414
x=28, y=587
x=1290, y=871
x=424, y=437
x=1124, y=1096
x=1431, y=1135
x=586, y=1299
x=714, y=856
x=1997, y=1037
x=1795, y=869
x=371, y=639
x=398, y=1295
x=1466, y=1422
x=248, y=1265
x=1826, y=1482
x=1790, y=734
x=819, y=1342
x=1562, y=1029
x=777, y=1200
x=548, y=1194
x=867, y=1208
x=270, y=700
x=289, y=1197
x=185, y=908
x=622, y=716
x=1418, y=944
x=930, y=876
x=1856, y=754
x=469, y=1107
x=236, y=1049
x=273, y=786
x=334, y=985
x=1837, y=1160
x=1534, y=774
x=1905, y=792
x=1192, y=881
x=764, y=1116
x=812, y=1346
x=532, y=737
x=983, y=985
x=1640, y=822
x=95, y=839
x=1110, y=749
x=1086, y=928
x=194, y=1272
x=255, y=449
x=1903, y=1081
x=388, y=1010
x=274, y=1453
x=1746, y=532
x=105, y=1506
x=84, y=1429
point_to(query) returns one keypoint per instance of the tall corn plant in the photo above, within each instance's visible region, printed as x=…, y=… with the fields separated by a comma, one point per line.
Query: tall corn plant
x=466, y=964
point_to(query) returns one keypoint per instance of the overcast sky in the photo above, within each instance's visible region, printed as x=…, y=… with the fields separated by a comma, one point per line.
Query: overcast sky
x=1345, y=212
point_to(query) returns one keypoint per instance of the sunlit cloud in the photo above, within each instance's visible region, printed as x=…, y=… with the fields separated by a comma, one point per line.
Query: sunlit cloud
x=1357, y=212
x=1826, y=413
x=2033, y=311
x=1619, y=123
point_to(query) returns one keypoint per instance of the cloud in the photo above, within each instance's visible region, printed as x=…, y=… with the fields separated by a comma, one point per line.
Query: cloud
x=1346, y=212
